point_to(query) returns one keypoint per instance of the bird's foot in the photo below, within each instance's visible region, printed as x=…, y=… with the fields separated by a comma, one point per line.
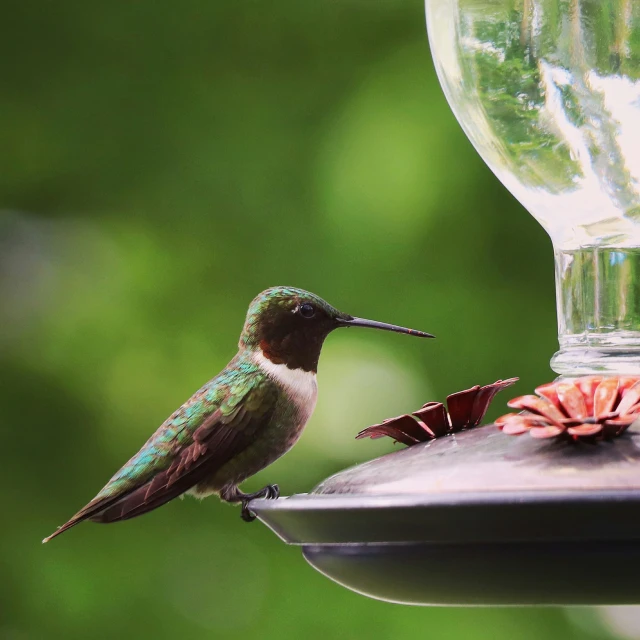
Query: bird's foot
x=246, y=514
x=270, y=492
x=273, y=492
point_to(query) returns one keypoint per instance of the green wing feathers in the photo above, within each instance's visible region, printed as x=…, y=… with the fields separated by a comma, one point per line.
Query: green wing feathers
x=215, y=424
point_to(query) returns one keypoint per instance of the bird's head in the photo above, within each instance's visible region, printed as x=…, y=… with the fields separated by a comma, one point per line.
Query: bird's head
x=289, y=326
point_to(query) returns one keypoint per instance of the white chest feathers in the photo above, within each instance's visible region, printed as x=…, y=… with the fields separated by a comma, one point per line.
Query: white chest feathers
x=300, y=385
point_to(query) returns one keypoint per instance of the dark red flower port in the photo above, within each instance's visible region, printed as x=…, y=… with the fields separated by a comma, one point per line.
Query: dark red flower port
x=590, y=408
x=465, y=410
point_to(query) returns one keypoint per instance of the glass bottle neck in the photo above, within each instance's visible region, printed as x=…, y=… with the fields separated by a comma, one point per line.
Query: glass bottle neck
x=598, y=301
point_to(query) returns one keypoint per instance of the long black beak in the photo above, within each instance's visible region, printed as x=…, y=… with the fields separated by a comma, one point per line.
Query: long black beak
x=361, y=322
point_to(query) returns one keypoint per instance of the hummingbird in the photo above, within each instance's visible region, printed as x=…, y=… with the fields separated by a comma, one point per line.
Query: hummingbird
x=239, y=422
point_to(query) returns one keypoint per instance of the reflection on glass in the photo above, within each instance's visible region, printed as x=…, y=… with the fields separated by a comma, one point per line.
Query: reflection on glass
x=548, y=91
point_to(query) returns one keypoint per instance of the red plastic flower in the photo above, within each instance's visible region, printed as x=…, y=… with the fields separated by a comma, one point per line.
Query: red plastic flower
x=466, y=410
x=589, y=408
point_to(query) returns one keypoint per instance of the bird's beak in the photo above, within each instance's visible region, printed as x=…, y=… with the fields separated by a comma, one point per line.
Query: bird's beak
x=350, y=321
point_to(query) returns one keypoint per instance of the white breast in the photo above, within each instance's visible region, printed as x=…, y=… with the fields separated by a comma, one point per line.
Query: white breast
x=300, y=385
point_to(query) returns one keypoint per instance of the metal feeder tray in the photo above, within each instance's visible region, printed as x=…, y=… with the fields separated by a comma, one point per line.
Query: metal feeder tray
x=477, y=518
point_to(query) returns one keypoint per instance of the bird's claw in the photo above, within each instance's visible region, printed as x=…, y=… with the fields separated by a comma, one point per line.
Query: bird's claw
x=270, y=492
x=246, y=514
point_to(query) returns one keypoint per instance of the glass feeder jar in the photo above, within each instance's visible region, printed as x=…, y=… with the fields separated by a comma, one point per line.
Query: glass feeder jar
x=548, y=92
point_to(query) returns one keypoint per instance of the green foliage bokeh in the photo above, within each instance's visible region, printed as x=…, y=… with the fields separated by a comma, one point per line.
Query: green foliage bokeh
x=162, y=163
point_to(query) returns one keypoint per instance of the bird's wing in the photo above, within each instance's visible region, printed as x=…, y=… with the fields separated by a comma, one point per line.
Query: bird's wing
x=212, y=427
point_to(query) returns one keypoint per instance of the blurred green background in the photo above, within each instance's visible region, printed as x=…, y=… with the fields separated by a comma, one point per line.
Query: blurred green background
x=162, y=163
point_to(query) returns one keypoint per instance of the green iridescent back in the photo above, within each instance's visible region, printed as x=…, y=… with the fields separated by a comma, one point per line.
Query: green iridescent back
x=229, y=388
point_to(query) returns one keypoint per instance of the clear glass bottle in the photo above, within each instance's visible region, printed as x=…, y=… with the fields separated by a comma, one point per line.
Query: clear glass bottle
x=548, y=91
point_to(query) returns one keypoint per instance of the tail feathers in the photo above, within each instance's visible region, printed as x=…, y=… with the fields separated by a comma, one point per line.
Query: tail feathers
x=195, y=463
x=124, y=507
x=93, y=509
x=67, y=525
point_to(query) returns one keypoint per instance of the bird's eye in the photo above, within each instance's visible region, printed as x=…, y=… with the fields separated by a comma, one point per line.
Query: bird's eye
x=306, y=310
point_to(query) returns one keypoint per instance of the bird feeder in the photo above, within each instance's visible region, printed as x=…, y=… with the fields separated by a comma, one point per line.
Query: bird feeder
x=548, y=92
x=477, y=518
x=470, y=515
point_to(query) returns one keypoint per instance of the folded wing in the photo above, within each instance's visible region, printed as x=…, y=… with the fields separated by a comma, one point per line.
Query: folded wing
x=216, y=424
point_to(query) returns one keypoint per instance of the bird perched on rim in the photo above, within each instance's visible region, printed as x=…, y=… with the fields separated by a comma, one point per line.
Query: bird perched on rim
x=239, y=422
